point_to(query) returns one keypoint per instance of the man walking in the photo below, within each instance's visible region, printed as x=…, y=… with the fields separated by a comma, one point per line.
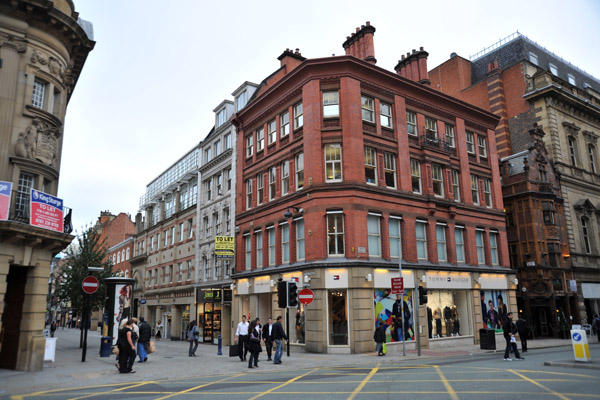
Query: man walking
x=241, y=337
x=523, y=331
x=510, y=329
x=258, y=333
x=278, y=334
x=144, y=340
x=267, y=335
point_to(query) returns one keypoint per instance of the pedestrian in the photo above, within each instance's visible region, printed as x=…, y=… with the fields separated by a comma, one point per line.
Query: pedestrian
x=134, y=338
x=268, y=338
x=510, y=329
x=52, y=328
x=596, y=325
x=158, y=333
x=126, y=347
x=253, y=343
x=258, y=329
x=278, y=336
x=523, y=332
x=379, y=337
x=193, y=336
x=241, y=337
x=144, y=339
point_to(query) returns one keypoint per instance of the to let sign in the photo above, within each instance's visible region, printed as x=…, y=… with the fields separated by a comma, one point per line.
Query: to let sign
x=224, y=247
x=398, y=285
x=5, y=192
x=90, y=284
x=46, y=211
x=306, y=296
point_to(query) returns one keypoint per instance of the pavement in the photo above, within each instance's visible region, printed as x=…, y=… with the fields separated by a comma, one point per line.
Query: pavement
x=171, y=361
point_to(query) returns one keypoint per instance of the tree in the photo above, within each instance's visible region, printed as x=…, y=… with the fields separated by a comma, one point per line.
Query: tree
x=86, y=251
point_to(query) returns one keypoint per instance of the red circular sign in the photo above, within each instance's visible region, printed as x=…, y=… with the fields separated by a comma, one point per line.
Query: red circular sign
x=306, y=296
x=90, y=284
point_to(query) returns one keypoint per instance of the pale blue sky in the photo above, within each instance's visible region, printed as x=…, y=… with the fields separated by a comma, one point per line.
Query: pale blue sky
x=159, y=68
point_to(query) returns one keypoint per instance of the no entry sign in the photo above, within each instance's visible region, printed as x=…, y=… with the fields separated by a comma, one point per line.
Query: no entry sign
x=90, y=284
x=306, y=296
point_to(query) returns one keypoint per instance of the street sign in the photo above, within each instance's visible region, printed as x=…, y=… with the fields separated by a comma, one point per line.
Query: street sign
x=143, y=301
x=90, y=284
x=398, y=285
x=306, y=296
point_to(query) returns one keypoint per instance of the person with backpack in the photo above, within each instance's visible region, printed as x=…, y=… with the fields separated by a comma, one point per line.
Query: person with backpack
x=193, y=337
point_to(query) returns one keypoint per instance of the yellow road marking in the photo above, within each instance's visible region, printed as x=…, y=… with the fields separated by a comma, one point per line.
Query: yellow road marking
x=282, y=385
x=364, y=382
x=559, y=395
x=199, y=386
x=134, y=386
x=449, y=388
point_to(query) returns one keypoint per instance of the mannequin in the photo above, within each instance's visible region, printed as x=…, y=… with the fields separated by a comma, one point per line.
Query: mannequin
x=448, y=320
x=430, y=322
x=456, y=321
x=437, y=316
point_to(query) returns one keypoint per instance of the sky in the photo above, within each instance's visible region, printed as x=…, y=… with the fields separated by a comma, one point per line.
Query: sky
x=148, y=89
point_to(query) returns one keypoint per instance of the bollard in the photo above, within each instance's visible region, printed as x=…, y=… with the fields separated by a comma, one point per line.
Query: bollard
x=219, y=352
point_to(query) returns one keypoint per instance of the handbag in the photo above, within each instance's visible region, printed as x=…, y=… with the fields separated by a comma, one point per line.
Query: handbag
x=115, y=350
x=234, y=351
x=151, y=347
x=383, y=348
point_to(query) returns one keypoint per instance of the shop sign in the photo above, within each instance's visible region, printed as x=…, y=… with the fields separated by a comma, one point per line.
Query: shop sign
x=207, y=296
x=448, y=281
x=224, y=247
x=5, y=193
x=143, y=301
x=227, y=295
x=573, y=285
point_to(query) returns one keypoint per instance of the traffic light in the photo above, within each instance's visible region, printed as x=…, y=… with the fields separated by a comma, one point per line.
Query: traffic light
x=422, y=295
x=281, y=294
x=292, y=294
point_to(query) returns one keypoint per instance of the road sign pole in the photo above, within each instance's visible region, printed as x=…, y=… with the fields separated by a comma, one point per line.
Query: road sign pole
x=85, y=320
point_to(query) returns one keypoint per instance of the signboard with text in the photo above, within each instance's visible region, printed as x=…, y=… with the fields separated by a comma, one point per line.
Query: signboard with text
x=46, y=211
x=398, y=285
x=224, y=247
x=5, y=192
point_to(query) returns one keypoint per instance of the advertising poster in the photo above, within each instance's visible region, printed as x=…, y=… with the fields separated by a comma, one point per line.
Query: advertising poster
x=122, y=308
x=493, y=308
x=388, y=312
x=46, y=211
x=5, y=192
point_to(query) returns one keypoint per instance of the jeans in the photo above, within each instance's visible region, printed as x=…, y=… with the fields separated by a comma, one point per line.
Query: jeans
x=141, y=348
x=278, y=351
x=510, y=344
x=193, y=347
x=253, y=359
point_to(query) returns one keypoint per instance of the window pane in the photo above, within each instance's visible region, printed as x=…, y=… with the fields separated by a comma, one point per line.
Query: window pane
x=374, y=234
x=394, y=235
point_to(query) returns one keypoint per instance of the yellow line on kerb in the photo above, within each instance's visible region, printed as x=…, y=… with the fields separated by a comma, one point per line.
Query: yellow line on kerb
x=560, y=396
x=364, y=382
x=198, y=387
x=449, y=388
x=282, y=385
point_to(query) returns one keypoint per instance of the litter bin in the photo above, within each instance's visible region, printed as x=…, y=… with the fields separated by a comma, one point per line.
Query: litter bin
x=105, y=346
x=487, y=339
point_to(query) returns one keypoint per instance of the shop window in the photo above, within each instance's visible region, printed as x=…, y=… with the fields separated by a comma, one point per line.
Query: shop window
x=300, y=252
x=285, y=243
x=370, y=165
x=333, y=163
x=374, y=234
x=390, y=170
x=440, y=236
x=259, y=249
x=335, y=233
x=421, y=238
x=459, y=239
x=480, y=246
x=387, y=305
x=395, y=237
x=493, y=307
x=338, y=317
x=448, y=313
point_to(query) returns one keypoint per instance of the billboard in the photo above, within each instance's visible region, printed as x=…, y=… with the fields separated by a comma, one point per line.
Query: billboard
x=122, y=307
x=5, y=192
x=46, y=211
x=224, y=247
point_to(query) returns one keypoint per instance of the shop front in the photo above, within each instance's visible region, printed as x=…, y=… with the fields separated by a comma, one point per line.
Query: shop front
x=211, y=303
x=394, y=310
x=591, y=299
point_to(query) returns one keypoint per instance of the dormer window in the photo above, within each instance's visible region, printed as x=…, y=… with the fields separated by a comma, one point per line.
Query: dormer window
x=221, y=117
x=241, y=100
x=571, y=79
x=533, y=58
x=553, y=69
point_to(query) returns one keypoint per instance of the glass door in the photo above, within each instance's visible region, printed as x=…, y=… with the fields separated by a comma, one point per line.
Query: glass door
x=338, y=317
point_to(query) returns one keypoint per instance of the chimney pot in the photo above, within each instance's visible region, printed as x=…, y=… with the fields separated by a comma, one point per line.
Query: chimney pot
x=368, y=23
x=357, y=29
x=414, y=51
x=403, y=57
x=408, y=54
x=362, y=27
x=421, y=48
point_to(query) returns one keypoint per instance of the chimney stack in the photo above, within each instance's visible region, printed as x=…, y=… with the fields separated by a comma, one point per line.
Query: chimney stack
x=413, y=66
x=360, y=43
x=290, y=59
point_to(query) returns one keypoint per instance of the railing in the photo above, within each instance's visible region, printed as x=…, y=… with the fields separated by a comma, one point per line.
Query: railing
x=19, y=210
x=437, y=143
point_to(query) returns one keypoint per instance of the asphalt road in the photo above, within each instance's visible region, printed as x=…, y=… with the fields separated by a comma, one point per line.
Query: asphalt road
x=481, y=376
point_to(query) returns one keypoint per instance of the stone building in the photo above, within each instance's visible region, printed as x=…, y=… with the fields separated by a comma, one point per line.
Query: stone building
x=346, y=170
x=524, y=83
x=43, y=47
x=164, y=251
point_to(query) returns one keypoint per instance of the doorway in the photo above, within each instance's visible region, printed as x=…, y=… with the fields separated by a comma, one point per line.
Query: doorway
x=11, y=319
x=166, y=321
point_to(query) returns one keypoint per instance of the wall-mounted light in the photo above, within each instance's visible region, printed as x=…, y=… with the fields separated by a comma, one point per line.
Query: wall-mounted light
x=288, y=214
x=232, y=286
x=248, y=284
x=272, y=283
x=306, y=278
x=516, y=281
x=369, y=277
x=477, y=280
x=423, y=278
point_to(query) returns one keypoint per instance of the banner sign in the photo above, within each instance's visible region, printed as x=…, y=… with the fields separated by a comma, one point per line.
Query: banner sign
x=5, y=192
x=46, y=211
x=225, y=247
x=122, y=308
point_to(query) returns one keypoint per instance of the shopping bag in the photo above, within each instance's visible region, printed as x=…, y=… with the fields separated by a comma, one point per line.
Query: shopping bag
x=115, y=350
x=513, y=339
x=151, y=347
x=234, y=351
x=384, y=348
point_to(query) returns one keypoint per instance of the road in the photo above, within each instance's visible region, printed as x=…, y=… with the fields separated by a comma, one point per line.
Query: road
x=477, y=376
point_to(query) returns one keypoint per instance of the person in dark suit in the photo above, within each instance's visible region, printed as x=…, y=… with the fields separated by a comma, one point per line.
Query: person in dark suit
x=523, y=332
x=267, y=335
x=493, y=318
x=278, y=336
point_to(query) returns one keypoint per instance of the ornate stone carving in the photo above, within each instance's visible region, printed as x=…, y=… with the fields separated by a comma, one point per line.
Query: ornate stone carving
x=571, y=129
x=591, y=137
x=54, y=66
x=13, y=43
x=39, y=142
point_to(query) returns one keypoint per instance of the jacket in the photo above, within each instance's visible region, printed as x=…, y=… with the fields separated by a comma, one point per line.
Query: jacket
x=379, y=335
x=145, y=332
x=509, y=327
x=265, y=332
x=522, y=327
x=278, y=332
x=493, y=318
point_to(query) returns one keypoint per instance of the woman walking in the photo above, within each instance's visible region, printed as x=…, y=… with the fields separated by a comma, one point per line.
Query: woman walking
x=193, y=336
x=158, y=333
x=126, y=347
x=254, y=344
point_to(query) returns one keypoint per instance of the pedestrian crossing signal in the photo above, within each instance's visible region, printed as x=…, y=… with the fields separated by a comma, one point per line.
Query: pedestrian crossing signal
x=292, y=294
x=281, y=294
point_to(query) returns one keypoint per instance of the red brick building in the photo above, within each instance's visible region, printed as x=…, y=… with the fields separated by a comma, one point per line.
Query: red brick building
x=374, y=167
x=115, y=233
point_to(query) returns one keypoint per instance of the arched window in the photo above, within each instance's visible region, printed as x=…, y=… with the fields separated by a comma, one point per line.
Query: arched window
x=585, y=230
x=592, y=155
x=573, y=150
